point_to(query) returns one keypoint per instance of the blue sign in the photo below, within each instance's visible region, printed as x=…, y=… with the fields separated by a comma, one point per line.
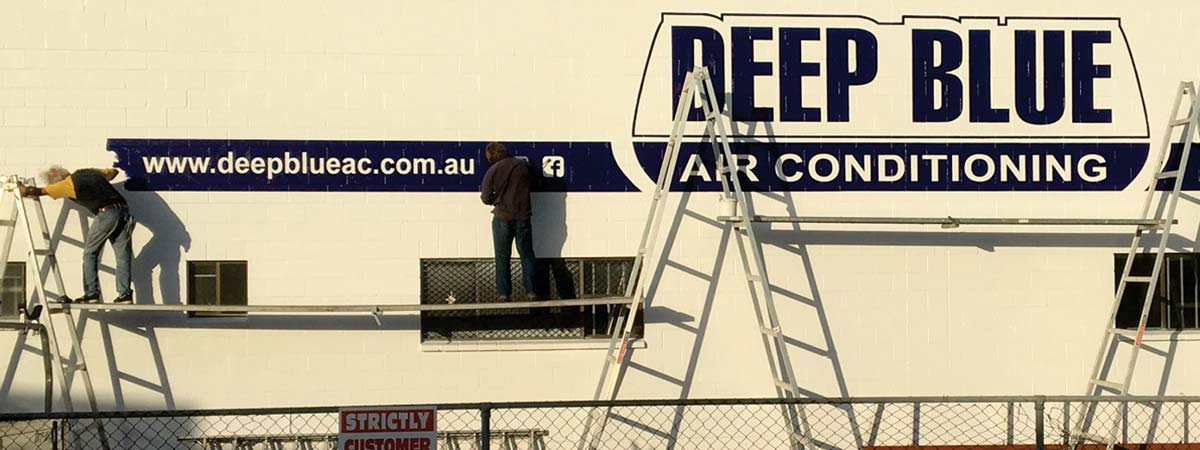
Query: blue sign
x=913, y=166
x=812, y=102
x=411, y=166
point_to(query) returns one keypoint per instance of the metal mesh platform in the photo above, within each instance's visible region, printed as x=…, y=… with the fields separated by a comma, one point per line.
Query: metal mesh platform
x=467, y=281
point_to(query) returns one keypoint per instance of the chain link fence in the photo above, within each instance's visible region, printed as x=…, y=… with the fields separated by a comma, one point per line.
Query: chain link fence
x=1032, y=423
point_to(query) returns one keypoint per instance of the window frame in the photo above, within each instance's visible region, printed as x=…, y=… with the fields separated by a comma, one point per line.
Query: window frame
x=17, y=267
x=1161, y=314
x=217, y=266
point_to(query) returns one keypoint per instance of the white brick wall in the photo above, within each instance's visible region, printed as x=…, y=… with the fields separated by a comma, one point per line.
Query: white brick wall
x=912, y=311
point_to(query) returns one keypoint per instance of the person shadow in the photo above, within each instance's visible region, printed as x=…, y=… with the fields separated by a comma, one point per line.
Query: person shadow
x=555, y=279
x=162, y=254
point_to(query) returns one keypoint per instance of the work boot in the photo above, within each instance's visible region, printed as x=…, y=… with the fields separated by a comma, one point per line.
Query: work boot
x=88, y=298
x=503, y=299
x=124, y=299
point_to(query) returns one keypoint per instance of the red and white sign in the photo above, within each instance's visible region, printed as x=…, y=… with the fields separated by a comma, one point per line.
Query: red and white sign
x=387, y=428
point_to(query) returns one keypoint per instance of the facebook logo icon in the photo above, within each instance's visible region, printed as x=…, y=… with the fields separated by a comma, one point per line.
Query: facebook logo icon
x=553, y=166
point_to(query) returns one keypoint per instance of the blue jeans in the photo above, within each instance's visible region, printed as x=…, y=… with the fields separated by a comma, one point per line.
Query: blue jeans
x=116, y=226
x=503, y=235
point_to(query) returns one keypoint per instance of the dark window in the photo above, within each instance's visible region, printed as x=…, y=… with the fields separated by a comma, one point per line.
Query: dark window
x=473, y=281
x=1173, y=306
x=216, y=283
x=12, y=289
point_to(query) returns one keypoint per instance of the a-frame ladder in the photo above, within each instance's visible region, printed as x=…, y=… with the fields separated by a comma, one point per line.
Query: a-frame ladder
x=1098, y=383
x=698, y=85
x=41, y=257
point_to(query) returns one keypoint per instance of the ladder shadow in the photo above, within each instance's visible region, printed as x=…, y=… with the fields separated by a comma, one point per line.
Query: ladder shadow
x=116, y=376
x=658, y=314
x=1148, y=244
x=20, y=346
x=828, y=348
x=815, y=302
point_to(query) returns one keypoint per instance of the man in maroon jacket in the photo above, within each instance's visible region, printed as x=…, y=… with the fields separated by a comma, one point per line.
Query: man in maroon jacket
x=506, y=187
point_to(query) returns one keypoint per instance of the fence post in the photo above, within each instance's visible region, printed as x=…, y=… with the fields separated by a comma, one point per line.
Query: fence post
x=1066, y=424
x=485, y=426
x=1039, y=423
x=916, y=424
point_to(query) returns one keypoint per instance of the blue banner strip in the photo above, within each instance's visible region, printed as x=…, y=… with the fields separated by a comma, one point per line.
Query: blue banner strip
x=384, y=166
x=875, y=166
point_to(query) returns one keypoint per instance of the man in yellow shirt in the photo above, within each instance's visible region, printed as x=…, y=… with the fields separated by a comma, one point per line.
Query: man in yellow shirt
x=91, y=189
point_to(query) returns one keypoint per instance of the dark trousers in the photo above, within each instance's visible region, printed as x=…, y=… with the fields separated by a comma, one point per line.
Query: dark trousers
x=503, y=235
x=114, y=225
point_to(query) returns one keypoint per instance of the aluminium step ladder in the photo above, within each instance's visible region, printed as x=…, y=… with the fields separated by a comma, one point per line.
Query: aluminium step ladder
x=41, y=256
x=1097, y=383
x=698, y=85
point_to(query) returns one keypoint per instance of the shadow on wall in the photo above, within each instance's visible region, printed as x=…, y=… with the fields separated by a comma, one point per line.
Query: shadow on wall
x=549, y=238
x=162, y=253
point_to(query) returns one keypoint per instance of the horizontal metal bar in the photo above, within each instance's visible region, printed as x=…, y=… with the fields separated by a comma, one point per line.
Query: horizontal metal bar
x=8, y=417
x=944, y=221
x=57, y=306
x=334, y=436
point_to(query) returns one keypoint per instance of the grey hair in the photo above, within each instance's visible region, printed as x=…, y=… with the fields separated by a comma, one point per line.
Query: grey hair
x=54, y=174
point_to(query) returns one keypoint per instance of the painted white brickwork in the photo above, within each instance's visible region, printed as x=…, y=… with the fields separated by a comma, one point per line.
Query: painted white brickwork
x=908, y=310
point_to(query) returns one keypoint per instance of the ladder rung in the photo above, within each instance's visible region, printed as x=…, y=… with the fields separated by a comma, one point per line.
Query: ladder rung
x=43, y=252
x=786, y=386
x=1122, y=332
x=1180, y=122
x=771, y=331
x=1092, y=437
x=1168, y=174
x=1109, y=384
x=8, y=223
x=1137, y=279
x=754, y=278
x=802, y=440
x=80, y=366
x=710, y=116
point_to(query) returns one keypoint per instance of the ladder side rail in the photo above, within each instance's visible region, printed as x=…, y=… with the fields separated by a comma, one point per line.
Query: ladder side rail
x=1160, y=254
x=56, y=274
x=796, y=415
x=650, y=236
x=663, y=183
x=782, y=379
x=55, y=349
x=1167, y=215
x=612, y=346
x=10, y=231
x=730, y=191
x=1164, y=147
x=747, y=213
x=606, y=388
x=1132, y=252
x=624, y=322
